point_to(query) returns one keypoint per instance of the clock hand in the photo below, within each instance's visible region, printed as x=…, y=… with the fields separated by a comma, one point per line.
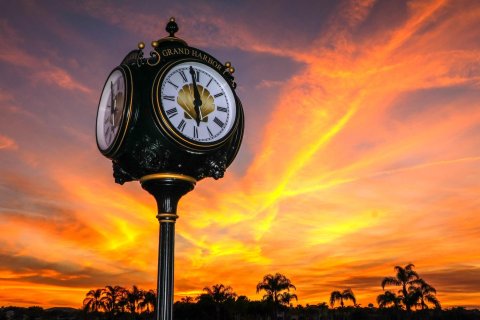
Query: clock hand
x=197, y=102
x=112, y=104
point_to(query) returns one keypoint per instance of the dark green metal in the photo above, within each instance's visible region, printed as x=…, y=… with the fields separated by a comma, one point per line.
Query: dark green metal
x=167, y=192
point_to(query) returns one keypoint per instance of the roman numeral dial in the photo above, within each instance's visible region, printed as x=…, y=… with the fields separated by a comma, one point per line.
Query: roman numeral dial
x=195, y=104
x=113, y=111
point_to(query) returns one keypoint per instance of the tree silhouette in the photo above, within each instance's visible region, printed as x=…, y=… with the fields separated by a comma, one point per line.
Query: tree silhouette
x=93, y=301
x=425, y=293
x=220, y=294
x=149, y=301
x=388, y=298
x=220, y=302
x=274, y=286
x=405, y=278
x=187, y=299
x=346, y=294
x=111, y=296
x=133, y=299
x=286, y=297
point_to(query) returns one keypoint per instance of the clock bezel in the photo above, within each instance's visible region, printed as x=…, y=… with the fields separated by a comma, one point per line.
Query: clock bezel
x=170, y=130
x=119, y=138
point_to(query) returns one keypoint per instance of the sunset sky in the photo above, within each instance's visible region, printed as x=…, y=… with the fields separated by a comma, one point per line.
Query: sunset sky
x=361, y=150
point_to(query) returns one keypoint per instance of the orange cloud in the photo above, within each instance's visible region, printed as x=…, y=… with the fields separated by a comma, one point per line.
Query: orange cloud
x=367, y=159
x=334, y=147
x=7, y=143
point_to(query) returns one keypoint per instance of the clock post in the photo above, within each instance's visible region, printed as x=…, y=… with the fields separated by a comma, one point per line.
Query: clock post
x=167, y=190
x=169, y=121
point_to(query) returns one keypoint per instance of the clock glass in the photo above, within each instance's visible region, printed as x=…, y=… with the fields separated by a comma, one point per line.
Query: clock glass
x=112, y=110
x=196, y=104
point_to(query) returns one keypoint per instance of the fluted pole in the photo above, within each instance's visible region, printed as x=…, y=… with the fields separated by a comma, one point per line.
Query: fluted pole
x=167, y=190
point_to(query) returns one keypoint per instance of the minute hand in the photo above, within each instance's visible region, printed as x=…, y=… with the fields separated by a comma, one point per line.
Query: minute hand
x=112, y=104
x=197, y=102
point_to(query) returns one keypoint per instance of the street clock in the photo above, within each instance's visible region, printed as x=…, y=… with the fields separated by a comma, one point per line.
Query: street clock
x=168, y=121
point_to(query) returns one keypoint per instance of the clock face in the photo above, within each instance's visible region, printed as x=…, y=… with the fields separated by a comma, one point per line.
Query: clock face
x=196, y=105
x=112, y=111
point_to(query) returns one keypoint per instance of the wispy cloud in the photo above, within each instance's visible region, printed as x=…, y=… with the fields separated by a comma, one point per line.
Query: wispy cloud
x=367, y=157
x=13, y=51
x=7, y=143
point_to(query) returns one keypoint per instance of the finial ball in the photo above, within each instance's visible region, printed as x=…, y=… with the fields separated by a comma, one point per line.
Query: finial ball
x=231, y=69
x=171, y=27
x=228, y=64
x=141, y=45
x=154, y=44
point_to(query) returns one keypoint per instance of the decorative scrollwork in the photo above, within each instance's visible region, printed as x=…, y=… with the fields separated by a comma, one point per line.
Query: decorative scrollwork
x=136, y=57
x=140, y=59
x=213, y=166
x=154, y=58
x=151, y=155
x=121, y=176
x=230, y=78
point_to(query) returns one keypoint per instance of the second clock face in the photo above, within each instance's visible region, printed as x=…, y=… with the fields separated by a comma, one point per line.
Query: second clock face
x=196, y=103
x=113, y=108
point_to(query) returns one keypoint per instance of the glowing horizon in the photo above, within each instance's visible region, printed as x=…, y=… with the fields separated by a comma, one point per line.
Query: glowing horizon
x=361, y=152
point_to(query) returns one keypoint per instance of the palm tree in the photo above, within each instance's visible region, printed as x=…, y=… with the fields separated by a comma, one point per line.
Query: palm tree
x=133, y=298
x=286, y=297
x=388, y=298
x=149, y=301
x=274, y=286
x=346, y=294
x=111, y=297
x=93, y=301
x=405, y=278
x=424, y=292
x=220, y=294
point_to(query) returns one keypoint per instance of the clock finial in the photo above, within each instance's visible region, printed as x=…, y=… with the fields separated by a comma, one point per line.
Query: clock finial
x=171, y=27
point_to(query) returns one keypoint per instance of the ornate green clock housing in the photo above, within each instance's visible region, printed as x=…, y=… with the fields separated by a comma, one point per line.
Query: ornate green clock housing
x=175, y=112
x=169, y=121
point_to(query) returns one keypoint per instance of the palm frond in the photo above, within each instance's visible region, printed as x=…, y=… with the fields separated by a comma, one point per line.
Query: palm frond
x=409, y=266
x=386, y=299
x=348, y=295
x=398, y=268
x=390, y=281
x=433, y=300
x=334, y=296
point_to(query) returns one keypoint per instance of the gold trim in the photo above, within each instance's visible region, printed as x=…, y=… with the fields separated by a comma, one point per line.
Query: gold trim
x=177, y=176
x=167, y=215
x=164, y=217
x=129, y=112
x=153, y=53
x=172, y=39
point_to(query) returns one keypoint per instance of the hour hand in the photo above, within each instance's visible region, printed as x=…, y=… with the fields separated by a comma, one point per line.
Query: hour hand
x=112, y=98
x=197, y=102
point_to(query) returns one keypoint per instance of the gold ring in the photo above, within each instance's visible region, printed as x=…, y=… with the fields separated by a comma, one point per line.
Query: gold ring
x=167, y=215
x=168, y=176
